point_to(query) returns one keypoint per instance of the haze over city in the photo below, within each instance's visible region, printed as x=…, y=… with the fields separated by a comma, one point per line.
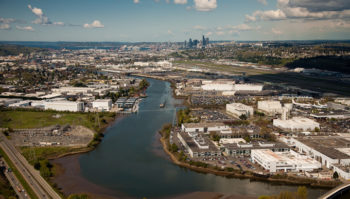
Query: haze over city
x=173, y=20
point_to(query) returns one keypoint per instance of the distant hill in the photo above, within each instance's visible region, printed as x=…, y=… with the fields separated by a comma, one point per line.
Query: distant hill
x=331, y=63
x=6, y=50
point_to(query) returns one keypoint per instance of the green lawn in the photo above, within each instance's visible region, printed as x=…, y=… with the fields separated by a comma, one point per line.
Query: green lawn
x=31, y=119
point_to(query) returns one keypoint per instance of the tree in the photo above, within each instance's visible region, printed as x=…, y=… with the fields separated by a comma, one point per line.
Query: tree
x=174, y=148
x=243, y=117
x=335, y=175
x=302, y=193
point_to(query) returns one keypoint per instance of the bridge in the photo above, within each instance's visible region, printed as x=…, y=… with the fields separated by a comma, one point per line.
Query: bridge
x=340, y=192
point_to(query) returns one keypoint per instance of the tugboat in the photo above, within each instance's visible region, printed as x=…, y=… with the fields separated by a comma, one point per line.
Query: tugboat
x=162, y=105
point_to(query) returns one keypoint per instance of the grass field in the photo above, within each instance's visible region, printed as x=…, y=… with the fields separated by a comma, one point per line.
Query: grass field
x=31, y=119
x=32, y=154
x=225, y=68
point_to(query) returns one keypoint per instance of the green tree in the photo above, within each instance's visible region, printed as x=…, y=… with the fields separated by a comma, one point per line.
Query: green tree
x=243, y=117
x=174, y=147
x=335, y=175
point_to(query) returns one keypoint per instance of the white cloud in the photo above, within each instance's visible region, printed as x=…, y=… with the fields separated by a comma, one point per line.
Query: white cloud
x=41, y=18
x=208, y=34
x=170, y=32
x=59, y=23
x=136, y=1
x=264, y=2
x=305, y=9
x=94, y=24
x=199, y=27
x=205, y=5
x=220, y=33
x=276, y=31
x=180, y=1
x=5, y=26
x=26, y=28
x=7, y=20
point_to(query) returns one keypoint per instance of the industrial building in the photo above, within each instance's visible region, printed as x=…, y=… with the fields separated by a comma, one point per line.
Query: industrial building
x=197, y=145
x=283, y=161
x=248, y=87
x=64, y=105
x=296, y=124
x=238, y=109
x=270, y=107
x=102, y=104
x=244, y=149
x=204, y=127
x=328, y=150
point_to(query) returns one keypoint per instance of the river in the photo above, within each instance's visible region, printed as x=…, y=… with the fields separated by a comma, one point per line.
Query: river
x=130, y=161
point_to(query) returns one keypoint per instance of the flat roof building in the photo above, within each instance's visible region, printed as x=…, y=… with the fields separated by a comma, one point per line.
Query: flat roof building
x=238, y=109
x=64, y=106
x=283, y=161
x=296, y=124
x=270, y=107
x=102, y=104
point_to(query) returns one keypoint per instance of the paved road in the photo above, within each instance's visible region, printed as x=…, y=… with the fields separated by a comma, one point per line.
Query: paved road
x=41, y=188
x=17, y=186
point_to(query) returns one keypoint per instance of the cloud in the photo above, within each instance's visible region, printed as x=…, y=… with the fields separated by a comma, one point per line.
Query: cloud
x=5, y=26
x=7, y=20
x=170, y=32
x=198, y=27
x=264, y=2
x=41, y=18
x=304, y=9
x=220, y=33
x=205, y=5
x=5, y=23
x=180, y=1
x=276, y=31
x=94, y=24
x=136, y=1
x=208, y=34
x=26, y=28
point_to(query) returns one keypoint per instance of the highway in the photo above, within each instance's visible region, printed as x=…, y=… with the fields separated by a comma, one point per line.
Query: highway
x=41, y=188
x=17, y=186
x=340, y=192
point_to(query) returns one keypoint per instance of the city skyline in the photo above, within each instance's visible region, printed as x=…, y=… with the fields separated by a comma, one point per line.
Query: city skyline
x=173, y=20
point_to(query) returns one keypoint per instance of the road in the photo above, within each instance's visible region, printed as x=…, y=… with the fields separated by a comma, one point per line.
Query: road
x=17, y=186
x=41, y=188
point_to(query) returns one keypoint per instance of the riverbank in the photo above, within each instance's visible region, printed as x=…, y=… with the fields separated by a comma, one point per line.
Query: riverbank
x=279, y=180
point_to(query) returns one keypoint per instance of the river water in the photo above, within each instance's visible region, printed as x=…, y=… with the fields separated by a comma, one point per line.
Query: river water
x=130, y=160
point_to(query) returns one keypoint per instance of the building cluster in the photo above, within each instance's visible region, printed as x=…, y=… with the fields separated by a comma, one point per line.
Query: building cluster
x=77, y=99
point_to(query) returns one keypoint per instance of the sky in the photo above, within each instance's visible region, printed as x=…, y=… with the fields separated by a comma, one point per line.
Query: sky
x=173, y=20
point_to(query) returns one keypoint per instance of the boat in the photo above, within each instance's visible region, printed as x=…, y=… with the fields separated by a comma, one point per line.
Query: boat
x=162, y=105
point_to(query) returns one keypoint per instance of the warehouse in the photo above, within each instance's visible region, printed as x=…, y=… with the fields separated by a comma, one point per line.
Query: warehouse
x=248, y=87
x=283, y=161
x=270, y=107
x=245, y=149
x=328, y=150
x=204, y=127
x=102, y=104
x=64, y=105
x=198, y=146
x=238, y=109
x=296, y=124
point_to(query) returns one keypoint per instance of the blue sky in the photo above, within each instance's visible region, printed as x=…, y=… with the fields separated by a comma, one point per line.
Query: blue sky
x=173, y=20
